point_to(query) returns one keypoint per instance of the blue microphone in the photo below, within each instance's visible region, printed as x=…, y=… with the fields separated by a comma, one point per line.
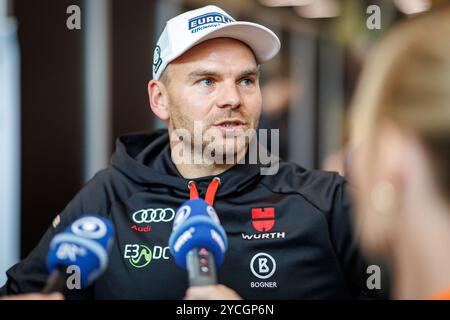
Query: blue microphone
x=83, y=246
x=198, y=242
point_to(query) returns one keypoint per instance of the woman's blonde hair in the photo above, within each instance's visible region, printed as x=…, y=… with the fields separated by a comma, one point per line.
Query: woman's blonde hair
x=407, y=81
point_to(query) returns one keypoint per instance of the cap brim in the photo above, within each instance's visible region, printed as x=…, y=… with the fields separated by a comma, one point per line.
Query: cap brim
x=263, y=42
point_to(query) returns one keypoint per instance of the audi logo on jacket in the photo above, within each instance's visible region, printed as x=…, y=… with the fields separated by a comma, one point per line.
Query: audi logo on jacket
x=289, y=234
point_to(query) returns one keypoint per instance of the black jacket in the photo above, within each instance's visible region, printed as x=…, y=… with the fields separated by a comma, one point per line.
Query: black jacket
x=307, y=250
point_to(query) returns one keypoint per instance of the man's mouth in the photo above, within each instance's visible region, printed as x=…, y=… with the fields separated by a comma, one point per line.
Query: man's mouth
x=231, y=125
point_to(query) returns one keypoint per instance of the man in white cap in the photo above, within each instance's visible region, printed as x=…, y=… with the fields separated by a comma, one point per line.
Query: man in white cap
x=205, y=73
x=288, y=229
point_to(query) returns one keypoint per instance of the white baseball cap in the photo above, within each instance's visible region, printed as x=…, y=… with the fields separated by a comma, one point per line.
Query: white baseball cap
x=188, y=29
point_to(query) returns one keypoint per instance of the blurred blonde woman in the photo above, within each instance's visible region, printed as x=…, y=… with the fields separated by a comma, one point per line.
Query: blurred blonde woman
x=400, y=162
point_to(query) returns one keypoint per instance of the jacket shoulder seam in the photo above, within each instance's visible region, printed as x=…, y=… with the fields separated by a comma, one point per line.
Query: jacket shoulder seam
x=294, y=192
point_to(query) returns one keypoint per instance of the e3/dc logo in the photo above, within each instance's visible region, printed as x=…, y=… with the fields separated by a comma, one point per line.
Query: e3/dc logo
x=140, y=256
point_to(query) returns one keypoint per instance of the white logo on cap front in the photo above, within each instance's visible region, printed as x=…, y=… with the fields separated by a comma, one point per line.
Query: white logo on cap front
x=208, y=20
x=157, y=61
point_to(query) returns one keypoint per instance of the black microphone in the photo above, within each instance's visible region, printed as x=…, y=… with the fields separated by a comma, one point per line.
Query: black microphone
x=201, y=267
x=198, y=242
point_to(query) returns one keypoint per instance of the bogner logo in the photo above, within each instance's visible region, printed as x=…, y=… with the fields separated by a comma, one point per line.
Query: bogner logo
x=263, y=266
x=263, y=220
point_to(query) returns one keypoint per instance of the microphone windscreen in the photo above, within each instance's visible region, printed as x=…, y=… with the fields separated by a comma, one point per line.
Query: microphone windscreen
x=196, y=225
x=84, y=244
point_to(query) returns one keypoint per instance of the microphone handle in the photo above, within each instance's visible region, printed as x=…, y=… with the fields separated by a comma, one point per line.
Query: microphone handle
x=201, y=267
x=56, y=282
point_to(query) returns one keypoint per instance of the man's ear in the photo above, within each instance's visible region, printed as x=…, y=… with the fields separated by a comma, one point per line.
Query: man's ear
x=157, y=94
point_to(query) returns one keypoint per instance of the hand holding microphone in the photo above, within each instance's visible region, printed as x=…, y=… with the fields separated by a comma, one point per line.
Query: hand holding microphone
x=83, y=247
x=198, y=241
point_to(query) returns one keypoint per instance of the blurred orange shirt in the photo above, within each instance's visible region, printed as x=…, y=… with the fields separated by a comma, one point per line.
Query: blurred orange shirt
x=442, y=295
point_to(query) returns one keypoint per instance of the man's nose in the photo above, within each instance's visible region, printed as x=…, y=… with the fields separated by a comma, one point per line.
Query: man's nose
x=228, y=96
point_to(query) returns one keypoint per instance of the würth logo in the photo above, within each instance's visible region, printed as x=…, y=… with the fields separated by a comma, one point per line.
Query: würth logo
x=263, y=219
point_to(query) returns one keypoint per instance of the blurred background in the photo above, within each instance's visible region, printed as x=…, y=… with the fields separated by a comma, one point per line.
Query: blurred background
x=67, y=93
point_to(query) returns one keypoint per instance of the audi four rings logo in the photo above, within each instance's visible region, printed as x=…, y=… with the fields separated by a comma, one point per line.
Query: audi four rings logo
x=154, y=215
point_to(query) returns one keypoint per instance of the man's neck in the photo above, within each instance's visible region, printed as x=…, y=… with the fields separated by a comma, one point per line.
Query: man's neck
x=193, y=171
x=197, y=170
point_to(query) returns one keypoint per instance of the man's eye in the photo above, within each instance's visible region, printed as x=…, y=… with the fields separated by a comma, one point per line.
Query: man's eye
x=247, y=82
x=206, y=82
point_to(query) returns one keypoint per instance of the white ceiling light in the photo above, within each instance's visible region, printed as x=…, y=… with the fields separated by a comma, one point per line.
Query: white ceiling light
x=412, y=6
x=285, y=3
x=319, y=9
